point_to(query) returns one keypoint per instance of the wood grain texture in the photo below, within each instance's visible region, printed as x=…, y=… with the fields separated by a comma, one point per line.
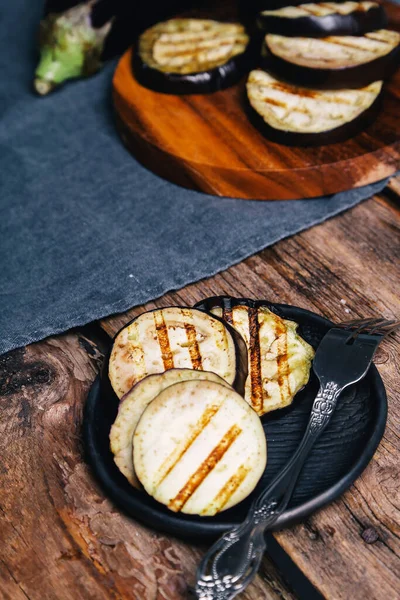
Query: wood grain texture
x=206, y=142
x=345, y=268
x=60, y=538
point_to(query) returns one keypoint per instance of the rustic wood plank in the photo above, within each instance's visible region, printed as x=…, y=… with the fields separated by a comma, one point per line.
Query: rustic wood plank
x=60, y=538
x=344, y=268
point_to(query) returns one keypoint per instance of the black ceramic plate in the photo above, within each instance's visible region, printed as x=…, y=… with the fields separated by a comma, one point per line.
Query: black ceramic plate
x=339, y=456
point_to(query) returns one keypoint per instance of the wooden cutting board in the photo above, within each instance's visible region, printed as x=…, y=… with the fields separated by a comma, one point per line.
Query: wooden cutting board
x=205, y=142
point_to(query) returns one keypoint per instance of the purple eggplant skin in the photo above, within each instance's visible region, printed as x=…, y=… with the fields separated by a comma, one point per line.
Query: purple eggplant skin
x=356, y=23
x=204, y=82
x=241, y=360
x=334, y=79
x=324, y=138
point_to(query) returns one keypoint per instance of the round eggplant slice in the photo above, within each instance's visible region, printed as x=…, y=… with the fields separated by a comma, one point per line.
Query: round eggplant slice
x=321, y=20
x=199, y=448
x=293, y=115
x=132, y=406
x=333, y=62
x=175, y=337
x=279, y=358
x=192, y=56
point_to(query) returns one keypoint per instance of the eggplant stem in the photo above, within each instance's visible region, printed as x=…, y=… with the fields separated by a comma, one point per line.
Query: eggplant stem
x=70, y=47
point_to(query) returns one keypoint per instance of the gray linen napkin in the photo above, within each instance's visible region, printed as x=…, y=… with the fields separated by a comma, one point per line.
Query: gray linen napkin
x=86, y=231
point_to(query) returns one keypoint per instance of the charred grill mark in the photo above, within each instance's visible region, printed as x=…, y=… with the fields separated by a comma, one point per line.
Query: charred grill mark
x=255, y=360
x=229, y=488
x=195, y=47
x=227, y=314
x=163, y=340
x=299, y=109
x=282, y=359
x=175, y=457
x=340, y=42
x=194, y=349
x=381, y=37
x=190, y=53
x=277, y=103
x=227, y=310
x=311, y=11
x=299, y=91
x=339, y=9
x=295, y=91
x=205, y=468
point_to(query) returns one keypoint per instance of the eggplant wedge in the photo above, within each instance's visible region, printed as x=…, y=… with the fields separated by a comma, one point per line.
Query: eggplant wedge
x=279, y=358
x=133, y=405
x=333, y=62
x=321, y=20
x=199, y=448
x=191, y=56
x=175, y=337
x=293, y=115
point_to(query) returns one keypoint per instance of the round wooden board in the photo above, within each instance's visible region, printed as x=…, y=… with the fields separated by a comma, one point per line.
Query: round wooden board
x=205, y=142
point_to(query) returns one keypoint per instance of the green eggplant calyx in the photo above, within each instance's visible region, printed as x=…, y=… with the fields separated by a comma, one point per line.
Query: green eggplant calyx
x=69, y=47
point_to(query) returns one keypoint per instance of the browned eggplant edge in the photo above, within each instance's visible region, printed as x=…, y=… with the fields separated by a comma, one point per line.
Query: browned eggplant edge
x=203, y=82
x=343, y=78
x=227, y=303
x=240, y=350
x=356, y=23
x=323, y=138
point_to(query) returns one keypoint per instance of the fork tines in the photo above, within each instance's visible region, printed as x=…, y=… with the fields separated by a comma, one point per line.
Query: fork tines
x=371, y=326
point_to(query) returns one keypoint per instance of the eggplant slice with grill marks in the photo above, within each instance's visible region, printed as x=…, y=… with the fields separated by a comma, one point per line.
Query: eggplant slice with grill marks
x=175, y=337
x=321, y=20
x=279, y=358
x=192, y=56
x=133, y=405
x=199, y=448
x=333, y=62
x=292, y=115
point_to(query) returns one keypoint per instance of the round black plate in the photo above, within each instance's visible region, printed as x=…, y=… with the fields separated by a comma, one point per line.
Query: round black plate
x=339, y=456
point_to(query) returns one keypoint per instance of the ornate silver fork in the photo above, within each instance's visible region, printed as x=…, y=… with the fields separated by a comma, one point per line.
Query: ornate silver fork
x=342, y=359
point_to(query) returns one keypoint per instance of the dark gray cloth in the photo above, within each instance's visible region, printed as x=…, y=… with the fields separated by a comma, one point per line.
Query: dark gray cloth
x=86, y=231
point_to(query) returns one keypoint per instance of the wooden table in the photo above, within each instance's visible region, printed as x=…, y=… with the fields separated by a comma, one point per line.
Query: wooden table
x=61, y=538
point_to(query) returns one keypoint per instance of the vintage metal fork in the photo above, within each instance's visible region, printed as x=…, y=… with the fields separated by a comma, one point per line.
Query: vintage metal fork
x=342, y=359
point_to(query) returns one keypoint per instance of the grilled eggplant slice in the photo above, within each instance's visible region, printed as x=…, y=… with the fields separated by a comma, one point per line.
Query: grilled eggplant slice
x=132, y=407
x=279, y=358
x=333, y=62
x=191, y=56
x=292, y=115
x=199, y=448
x=321, y=20
x=176, y=337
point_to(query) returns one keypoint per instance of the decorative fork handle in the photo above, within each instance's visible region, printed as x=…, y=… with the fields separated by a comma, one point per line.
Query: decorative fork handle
x=233, y=561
